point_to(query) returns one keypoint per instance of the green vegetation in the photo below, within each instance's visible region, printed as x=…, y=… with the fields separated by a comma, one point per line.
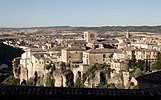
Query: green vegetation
x=111, y=85
x=50, y=82
x=30, y=82
x=50, y=66
x=132, y=61
x=138, y=67
x=63, y=66
x=11, y=81
x=79, y=83
x=69, y=76
x=105, y=72
x=157, y=64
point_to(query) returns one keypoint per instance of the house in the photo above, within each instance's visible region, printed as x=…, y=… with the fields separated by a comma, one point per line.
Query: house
x=98, y=55
x=72, y=54
x=27, y=63
x=142, y=54
x=90, y=37
x=124, y=53
x=119, y=65
x=39, y=61
x=55, y=53
x=143, y=45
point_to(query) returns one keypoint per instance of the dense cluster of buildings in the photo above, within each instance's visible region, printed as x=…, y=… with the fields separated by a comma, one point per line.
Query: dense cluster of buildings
x=83, y=52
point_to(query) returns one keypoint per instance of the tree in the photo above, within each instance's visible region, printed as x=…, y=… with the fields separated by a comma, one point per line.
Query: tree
x=48, y=66
x=50, y=81
x=157, y=64
x=111, y=85
x=103, y=81
x=69, y=78
x=132, y=62
x=11, y=81
x=79, y=83
x=63, y=66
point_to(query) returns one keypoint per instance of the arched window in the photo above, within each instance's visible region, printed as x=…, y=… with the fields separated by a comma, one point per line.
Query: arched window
x=104, y=55
x=79, y=74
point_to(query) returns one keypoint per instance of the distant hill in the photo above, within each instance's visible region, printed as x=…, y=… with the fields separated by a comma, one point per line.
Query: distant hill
x=103, y=29
x=47, y=27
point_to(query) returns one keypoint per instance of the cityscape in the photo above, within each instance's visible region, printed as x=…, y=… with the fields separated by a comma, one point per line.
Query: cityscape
x=97, y=56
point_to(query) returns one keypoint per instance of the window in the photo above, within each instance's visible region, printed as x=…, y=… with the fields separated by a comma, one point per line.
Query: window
x=104, y=55
x=91, y=35
x=69, y=56
x=103, y=59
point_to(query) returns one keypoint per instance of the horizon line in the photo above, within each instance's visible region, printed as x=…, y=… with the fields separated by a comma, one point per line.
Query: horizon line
x=72, y=26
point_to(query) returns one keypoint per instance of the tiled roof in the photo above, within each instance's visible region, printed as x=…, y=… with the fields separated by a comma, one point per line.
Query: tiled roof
x=41, y=56
x=74, y=49
x=58, y=48
x=112, y=41
x=154, y=77
x=103, y=50
x=76, y=41
x=23, y=92
x=148, y=50
x=128, y=48
x=37, y=50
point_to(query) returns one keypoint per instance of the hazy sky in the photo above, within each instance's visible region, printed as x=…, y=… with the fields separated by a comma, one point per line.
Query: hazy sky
x=29, y=13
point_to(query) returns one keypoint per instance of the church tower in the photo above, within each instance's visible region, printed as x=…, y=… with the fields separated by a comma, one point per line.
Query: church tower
x=90, y=36
x=127, y=34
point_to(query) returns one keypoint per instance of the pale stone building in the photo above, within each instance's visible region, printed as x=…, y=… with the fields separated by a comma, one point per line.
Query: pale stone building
x=142, y=54
x=72, y=54
x=98, y=56
x=55, y=53
x=39, y=61
x=27, y=63
x=90, y=37
x=124, y=53
x=143, y=45
x=119, y=65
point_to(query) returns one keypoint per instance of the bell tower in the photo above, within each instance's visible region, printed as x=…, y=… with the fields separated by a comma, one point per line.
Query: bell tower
x=90, y=36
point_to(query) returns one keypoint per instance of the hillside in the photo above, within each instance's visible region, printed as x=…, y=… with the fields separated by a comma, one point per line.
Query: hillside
x=8, y=53
x=103, y=29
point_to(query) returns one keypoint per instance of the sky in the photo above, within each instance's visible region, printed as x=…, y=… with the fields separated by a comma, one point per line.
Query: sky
x=39, y=13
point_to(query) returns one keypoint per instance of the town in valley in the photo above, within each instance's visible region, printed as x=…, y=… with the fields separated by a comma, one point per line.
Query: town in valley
x=89, y=58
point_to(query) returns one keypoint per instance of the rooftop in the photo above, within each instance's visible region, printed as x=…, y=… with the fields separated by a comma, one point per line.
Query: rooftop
x=103, y=50
x=154, y=77
x=10, y=92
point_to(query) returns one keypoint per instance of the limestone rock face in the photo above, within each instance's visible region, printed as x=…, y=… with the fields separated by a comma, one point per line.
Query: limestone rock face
x=117, y=79
x=68, y=78
x=58, y=78
x=24, y=73
x=93, y=82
